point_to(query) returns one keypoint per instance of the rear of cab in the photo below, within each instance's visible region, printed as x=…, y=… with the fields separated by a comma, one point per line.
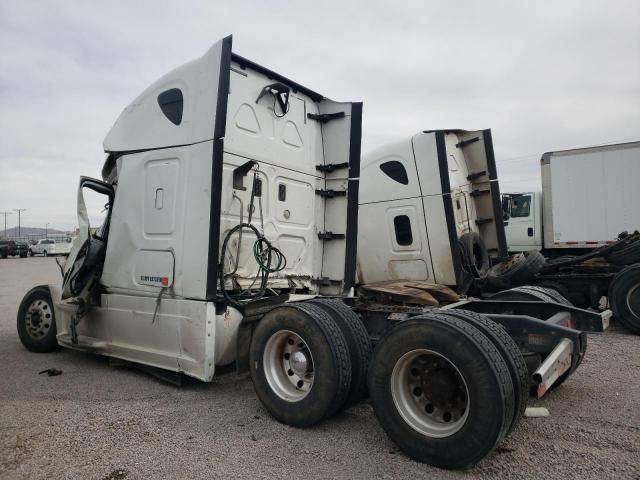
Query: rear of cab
x=183, y=159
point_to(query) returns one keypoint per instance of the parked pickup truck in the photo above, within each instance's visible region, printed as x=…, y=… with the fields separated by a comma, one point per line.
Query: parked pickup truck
x=50, y=247
x=10, y=247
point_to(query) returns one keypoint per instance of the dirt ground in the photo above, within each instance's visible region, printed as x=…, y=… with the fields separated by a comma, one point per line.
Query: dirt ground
x=99, y=422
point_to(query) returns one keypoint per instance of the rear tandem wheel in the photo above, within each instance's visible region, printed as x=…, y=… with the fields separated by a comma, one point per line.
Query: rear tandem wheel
x=441, y=390
x=300, y=364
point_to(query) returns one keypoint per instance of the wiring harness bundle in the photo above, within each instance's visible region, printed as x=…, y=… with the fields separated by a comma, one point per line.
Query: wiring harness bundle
x=268, y=258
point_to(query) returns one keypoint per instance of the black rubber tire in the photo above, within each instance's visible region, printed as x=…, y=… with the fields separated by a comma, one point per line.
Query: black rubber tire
x=475, y=256
x=358, y=343
x=510, y=353
x=522, y=294
x=30, y=253
x=626, y=284
x=45, y=253
x=486, y=376
x=47, y=343
x=627, y=255
x=549, y=292
x=23, y=255
x=517, y=271
x=557, y=287
x=332, y=365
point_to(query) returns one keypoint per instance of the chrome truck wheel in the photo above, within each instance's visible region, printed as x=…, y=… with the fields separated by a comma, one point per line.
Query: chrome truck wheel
x=288, y=365
x=441, y=390
x=430, y=393
x=36, y=321
x=38, y=318
x=300, y=364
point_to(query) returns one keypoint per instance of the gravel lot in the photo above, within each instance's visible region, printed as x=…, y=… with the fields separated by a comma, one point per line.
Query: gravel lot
x=100, y=422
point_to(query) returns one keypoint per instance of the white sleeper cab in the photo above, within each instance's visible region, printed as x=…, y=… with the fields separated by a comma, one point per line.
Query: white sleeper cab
x=229, y=237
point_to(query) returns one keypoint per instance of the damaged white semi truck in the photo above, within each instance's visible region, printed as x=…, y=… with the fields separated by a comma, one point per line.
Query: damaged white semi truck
x=230, y=234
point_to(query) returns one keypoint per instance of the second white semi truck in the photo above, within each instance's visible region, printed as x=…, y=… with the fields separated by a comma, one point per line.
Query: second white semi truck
x=438, y=220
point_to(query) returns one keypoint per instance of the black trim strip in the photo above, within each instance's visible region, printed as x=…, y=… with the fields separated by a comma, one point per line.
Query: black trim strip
x=495, y=193
x=351, y=246
x=216, y=168
x=443, y=167
x=296, y=87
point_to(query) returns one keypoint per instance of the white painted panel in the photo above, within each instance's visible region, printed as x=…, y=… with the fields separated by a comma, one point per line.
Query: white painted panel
x=377, y=186
x=290, y=224
x=143, y=125
x=154, y=267
x=595, y=194
x=426, y=154
x=161, y=178
x=256, y=132
x=192, y=197
x=380, y=257
x=440, y=248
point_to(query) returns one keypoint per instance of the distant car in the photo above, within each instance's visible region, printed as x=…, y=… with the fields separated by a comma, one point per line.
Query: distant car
x=13, y=248
x=48, y=247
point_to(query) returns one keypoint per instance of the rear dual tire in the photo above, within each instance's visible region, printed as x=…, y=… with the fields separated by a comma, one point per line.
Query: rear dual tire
x=358, y=344
x=441, y=390
x=300, y=364
x=510, y=353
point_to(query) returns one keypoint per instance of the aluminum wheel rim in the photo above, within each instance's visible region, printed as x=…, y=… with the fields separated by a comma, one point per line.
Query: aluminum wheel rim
x=633, y=300
x=422, y=406
x=288, y=365
x=38, y=319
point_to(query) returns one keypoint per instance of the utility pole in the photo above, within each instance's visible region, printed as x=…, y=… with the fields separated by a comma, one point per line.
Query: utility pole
x=46, y=229
x=19, y=210
x=5, y=222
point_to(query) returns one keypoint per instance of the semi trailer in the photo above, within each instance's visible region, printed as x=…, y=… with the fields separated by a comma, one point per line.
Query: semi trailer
x=585, y=223
x=229, y=237
x=589, y=195
x=442, y=220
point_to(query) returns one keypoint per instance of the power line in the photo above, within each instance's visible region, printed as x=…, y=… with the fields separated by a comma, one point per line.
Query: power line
x=5, y=222
x=19, y=210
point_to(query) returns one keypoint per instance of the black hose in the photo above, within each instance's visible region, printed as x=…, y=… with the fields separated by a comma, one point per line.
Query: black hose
x=269, y=259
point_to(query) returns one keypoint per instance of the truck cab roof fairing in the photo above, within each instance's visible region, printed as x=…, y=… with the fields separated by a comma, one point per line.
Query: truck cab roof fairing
x=143, y=125
x=151, y=122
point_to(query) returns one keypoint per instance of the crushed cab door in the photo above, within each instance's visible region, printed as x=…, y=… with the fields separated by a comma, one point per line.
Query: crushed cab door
x=86, y=259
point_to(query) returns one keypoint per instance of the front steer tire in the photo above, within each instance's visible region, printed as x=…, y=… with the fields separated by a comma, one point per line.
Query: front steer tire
x=301, y=392
x=419, y=432
x=36, y=321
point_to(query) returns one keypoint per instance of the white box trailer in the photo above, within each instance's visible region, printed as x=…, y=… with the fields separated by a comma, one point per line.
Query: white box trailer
x=589, y=201
x=589, y=196
x=229, y=236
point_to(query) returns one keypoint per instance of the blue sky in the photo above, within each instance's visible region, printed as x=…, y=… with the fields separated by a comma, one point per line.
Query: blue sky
x=542, y=75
